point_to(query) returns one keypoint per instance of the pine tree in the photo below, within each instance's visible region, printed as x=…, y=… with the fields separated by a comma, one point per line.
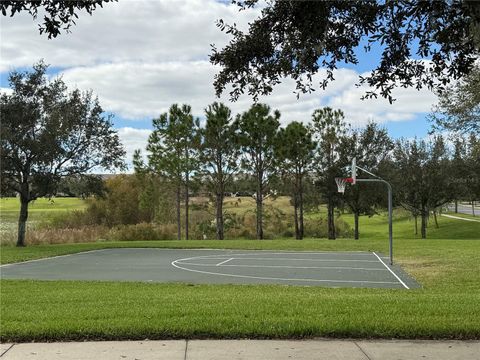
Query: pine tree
x=173, y=154
x=219, y=155
x=257, y=134
x=330, y=133
x=295, y=150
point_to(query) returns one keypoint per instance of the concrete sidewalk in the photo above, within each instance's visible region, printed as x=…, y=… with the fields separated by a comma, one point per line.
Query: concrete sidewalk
x=245, y=349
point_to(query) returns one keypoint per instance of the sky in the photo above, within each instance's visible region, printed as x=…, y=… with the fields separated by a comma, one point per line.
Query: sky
x=141, y=56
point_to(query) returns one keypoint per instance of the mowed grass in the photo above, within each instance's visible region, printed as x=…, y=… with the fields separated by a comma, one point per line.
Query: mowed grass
x=447, y=306
x=38, y=210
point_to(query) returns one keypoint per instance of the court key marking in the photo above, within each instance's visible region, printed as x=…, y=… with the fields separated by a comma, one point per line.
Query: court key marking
x=177, y=264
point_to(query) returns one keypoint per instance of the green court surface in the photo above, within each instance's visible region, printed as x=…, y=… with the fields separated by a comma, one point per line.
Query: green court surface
x=331, y=269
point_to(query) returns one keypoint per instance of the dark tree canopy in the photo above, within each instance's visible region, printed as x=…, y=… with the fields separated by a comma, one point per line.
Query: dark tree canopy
x=424, y=43
x=57, y=15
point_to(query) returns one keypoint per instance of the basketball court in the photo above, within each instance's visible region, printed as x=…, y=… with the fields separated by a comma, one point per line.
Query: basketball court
x=328, y=269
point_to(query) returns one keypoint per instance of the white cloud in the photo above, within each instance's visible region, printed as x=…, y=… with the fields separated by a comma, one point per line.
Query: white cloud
x=409, y=102
x=133, y=139
x=145, y=31
x=139, y=90
x=7, y=91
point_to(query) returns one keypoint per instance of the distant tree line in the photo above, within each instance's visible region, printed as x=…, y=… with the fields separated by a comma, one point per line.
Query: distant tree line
x=302, y=160
x=52, y=139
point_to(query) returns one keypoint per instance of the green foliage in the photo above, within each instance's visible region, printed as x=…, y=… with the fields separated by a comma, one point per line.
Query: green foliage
x=330, y=132
x=49, y=133
x=318, y=228
x=294, y=147
x=458, y=108
x=299, y=38
x=295, y=152
x=422, y=180
x=219, y=153
x=257, y=136
x=82, y=186
x=173, y=153
x=370, y=146
x=121, y=205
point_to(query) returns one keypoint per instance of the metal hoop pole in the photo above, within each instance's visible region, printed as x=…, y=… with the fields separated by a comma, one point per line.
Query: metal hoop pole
x=390, y=213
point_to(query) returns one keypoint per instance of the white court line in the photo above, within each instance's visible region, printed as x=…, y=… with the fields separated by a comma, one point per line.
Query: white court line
x=269, y=252
x=296, y=259
x=378, y=257
x=174, y=263
x=224, y=262
x=460, y=218
x=284, y=266
x=53, y=257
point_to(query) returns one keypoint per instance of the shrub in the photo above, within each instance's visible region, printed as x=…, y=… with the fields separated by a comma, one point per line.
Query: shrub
x=318, y=228
x=142, y=231
x=58, y=236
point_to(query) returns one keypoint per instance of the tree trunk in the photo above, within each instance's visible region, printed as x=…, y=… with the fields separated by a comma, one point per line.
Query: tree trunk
x=300, y=195
x=356, y=216
x=473, y=207
x=456, y=206
x=179, y=216
x=186, y=205
x=416, y=224
x=259, y=201
x=435, y=218
x=331, y=220
x=424, y=224
x=295, y=207
x=22, y=221
x=219, y=215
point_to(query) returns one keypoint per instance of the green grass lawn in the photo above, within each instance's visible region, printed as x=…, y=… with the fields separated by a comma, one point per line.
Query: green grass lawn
x=447, y=306
x=41, y=209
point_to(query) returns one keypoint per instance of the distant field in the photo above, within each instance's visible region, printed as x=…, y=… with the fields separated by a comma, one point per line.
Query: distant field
x=40, y=209
x=403, y=228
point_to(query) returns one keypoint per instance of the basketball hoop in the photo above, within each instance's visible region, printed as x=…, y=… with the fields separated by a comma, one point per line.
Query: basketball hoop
x=342, y=182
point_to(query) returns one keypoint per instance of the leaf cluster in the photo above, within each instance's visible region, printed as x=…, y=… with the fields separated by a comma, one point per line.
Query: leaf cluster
x=424, y=43
x=49, y=133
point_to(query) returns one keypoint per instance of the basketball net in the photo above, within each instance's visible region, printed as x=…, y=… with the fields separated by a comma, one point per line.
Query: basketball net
x=342, y=183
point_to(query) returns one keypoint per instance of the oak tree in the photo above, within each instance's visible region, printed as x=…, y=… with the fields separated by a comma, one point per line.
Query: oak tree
x=458, y=108
x=49, y=133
